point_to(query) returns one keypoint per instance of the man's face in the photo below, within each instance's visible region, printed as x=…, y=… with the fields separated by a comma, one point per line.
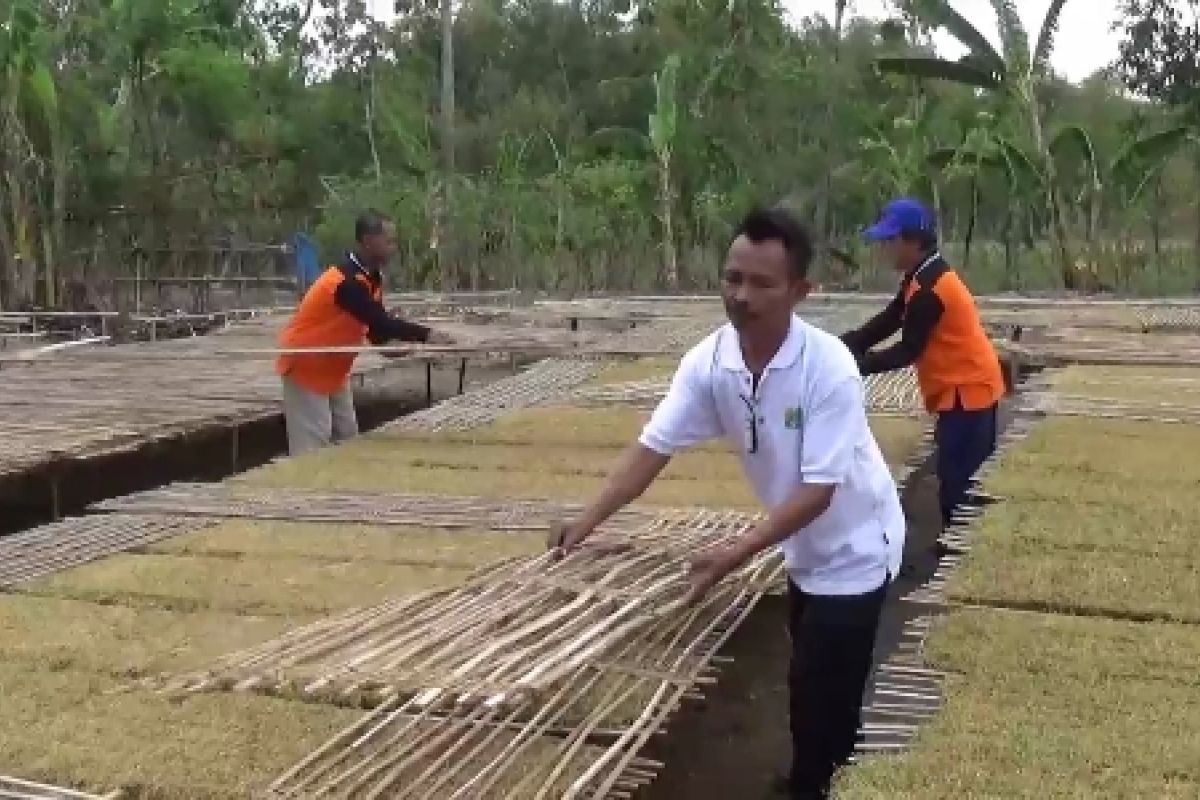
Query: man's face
x=898, y=253
x=380, y=247
x=758, y=287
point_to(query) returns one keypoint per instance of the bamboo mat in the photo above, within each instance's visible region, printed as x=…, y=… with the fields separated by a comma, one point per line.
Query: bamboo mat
x=51, y=548
x=580, y=739
x=112, y=399
x=224, y=501
x=536, y=678
x=513, y=630
x=1071, y=345
x=546, y=380
x=892, y=392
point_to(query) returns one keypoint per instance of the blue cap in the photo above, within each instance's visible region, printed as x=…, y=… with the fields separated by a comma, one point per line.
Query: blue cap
x=905, y=215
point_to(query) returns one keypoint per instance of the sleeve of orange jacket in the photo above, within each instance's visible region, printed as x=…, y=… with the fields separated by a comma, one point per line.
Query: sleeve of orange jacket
x=924, y=311
x=353, y=298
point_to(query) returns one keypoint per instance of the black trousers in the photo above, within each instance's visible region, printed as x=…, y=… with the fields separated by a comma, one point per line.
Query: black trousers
x=833, y=639
x=965, y=439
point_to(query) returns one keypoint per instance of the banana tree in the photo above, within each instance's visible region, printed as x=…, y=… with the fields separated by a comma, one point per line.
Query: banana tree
x=1123, y=180
x=985, y=150
x=663, y=128
x=659, y=140
x=897, y=154
x=31, y=230
x=1014, y=75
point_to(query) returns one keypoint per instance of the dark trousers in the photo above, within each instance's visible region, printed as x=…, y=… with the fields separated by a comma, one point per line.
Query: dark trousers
x=833, y=638
x=965, y=439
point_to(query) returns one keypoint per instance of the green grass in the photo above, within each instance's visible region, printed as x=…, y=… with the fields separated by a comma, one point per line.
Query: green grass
x=639, y=370
x=68, y=728
x=1131, y=384
x=1048, y=706
x=399, y=545
x=65, y=634
x=1099, y=518
x=278, y=586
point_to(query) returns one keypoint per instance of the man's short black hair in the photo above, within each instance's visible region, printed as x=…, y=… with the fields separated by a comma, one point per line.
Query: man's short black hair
x=779, y=225
x=369, y=223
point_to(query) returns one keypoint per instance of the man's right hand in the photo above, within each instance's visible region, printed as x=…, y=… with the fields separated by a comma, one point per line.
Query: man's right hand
x=565, y=537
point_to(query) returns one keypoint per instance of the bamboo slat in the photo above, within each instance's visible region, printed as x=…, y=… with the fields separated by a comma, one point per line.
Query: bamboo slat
x=17, y=789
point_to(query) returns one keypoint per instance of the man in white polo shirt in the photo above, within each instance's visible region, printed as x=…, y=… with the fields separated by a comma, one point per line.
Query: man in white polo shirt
x=789, y=399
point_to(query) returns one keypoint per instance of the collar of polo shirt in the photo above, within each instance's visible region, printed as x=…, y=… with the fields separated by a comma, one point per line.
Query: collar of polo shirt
x=729, y=349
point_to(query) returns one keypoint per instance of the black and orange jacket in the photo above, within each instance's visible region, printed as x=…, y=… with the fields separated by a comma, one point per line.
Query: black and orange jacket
x=941, y=333
x=343, y=308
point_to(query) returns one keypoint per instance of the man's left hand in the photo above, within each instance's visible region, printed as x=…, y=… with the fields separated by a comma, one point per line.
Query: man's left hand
x=708, y=569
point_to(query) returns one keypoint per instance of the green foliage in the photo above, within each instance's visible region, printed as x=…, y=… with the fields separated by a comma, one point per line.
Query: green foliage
x=598, y=145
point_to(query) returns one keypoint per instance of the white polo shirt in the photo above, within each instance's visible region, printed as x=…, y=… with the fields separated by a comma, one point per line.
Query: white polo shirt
x=809, y=426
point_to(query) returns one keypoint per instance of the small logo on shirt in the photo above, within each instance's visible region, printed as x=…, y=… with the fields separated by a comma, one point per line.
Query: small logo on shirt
x=792, y=419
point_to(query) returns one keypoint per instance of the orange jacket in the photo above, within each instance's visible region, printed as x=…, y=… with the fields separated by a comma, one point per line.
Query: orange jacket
x=941, y=334
x=343, y=308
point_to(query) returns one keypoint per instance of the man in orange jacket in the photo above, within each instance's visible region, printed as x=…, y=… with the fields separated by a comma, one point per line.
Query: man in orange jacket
x=941, y=333
x=343, y=308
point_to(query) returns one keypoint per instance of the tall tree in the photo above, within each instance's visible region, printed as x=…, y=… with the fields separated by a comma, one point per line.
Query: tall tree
x=1160, y=58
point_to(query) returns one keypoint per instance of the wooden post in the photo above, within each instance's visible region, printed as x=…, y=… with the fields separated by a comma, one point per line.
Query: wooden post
x=462, y=375
x=428, y=383
x=55, y=505
x=233, y=462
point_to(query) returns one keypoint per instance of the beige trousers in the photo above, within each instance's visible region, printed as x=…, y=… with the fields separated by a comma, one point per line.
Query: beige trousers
x=317, y=420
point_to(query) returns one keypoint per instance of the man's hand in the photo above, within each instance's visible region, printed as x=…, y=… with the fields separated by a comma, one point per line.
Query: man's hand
x=708, y=569
x=439, y=337
x=565, y=537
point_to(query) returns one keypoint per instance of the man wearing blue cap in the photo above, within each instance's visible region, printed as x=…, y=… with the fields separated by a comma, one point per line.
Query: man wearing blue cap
x=942, y=335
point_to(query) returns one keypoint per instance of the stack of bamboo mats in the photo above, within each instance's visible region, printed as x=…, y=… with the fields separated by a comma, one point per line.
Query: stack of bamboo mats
x=313, y=619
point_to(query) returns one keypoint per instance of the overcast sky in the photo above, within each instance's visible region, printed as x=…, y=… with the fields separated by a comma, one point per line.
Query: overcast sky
x=1084, y=43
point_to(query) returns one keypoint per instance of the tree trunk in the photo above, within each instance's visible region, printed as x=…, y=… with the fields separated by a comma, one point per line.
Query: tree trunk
x=1156, y=229
x=1054, y=207
x=1009, y=261
x=447, y=249
x=1196, y=253
x=670, y=264
x=972, y=216
x=56, y=233
x=369, y=112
